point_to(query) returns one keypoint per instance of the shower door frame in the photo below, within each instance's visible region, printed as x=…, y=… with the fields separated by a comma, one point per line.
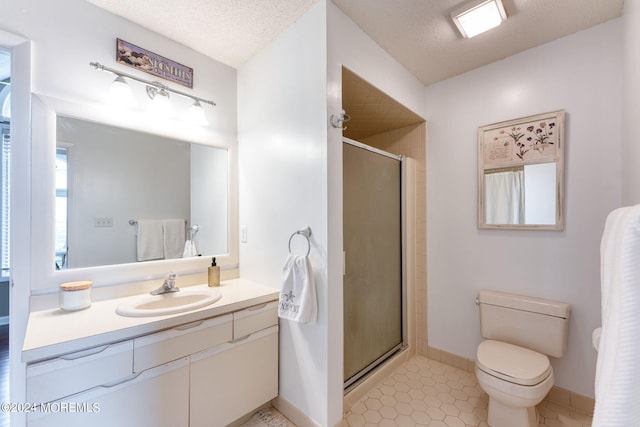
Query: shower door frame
x=353, y=381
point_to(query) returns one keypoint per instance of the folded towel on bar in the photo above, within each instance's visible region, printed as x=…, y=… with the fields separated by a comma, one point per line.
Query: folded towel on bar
x=173, y=238
x=298, y=301
x=149, y=241
x=617, y=385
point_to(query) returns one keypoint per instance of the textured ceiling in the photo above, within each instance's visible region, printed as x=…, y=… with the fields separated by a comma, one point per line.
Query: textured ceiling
x=230, y=31
x=418, y=33
x=422, y=37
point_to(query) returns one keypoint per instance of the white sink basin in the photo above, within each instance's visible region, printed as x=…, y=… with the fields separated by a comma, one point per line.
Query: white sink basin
x=171, y=303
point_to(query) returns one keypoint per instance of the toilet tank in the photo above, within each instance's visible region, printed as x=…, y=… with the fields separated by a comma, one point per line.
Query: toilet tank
x=538, y=324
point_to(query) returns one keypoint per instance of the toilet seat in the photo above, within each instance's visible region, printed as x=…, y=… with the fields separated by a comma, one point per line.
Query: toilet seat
x=512, y=363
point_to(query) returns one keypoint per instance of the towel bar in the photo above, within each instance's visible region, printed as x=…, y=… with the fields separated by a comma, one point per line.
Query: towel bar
x=306, y=232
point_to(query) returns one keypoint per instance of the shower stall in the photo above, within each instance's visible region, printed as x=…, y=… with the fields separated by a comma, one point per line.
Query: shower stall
x=374, y=281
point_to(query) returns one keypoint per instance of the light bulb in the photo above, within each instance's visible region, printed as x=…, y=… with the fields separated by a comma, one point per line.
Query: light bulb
x=120, y=93
x=196, y=114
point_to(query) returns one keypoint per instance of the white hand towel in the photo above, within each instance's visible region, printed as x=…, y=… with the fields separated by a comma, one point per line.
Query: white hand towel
x=298, y=294
x=617, y=385
x=149, y=240
x=173, y=238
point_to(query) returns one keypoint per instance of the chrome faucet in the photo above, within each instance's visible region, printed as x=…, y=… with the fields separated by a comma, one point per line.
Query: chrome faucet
x=168, y=286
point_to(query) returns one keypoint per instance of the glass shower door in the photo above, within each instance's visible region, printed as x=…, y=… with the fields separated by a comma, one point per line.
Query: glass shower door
x=373, y=258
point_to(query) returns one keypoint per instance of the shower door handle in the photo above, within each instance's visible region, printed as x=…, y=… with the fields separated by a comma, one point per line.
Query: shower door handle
x=344, y=263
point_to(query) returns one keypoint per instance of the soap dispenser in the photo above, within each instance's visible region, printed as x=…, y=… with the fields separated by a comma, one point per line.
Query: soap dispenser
x=214, y=274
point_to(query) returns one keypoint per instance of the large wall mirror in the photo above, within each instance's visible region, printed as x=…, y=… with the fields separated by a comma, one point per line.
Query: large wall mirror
x=111, y=182
x=99, y=175
x=520, y=173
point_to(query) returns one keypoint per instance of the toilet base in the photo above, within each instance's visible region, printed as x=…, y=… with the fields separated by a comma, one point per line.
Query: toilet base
x=501, y=415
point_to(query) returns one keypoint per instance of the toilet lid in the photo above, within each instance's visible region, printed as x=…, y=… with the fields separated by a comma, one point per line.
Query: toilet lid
x=512, y=363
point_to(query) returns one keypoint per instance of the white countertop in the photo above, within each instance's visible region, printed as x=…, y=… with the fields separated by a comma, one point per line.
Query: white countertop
x=54, y=332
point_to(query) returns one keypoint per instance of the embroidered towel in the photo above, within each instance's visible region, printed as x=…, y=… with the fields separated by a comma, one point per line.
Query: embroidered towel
x=298, y=294
x=173, y=238
x=617, y=387
x=149, y=241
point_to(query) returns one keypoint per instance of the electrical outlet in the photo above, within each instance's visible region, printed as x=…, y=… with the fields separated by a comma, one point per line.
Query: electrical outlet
x=243, y=234
x=103, y=222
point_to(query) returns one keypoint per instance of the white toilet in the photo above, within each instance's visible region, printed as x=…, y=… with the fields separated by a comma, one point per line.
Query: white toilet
x=512, y=364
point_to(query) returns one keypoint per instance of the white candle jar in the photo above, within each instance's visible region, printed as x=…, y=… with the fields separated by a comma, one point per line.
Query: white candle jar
x=75, y=295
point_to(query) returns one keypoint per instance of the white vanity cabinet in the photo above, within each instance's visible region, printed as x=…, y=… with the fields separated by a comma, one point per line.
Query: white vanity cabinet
x=207, y=372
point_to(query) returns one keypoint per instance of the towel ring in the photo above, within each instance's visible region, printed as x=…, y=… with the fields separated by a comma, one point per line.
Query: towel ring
x=306, y=232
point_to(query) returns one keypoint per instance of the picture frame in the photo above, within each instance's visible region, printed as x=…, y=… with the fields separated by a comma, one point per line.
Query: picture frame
x=526, y=157
x=149, y=62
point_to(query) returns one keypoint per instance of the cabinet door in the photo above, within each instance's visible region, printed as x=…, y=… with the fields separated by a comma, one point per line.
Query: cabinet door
x=158, y=397
x=232, y=379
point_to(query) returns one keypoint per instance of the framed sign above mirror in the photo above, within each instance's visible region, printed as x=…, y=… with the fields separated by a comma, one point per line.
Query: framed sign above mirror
x=521, y=173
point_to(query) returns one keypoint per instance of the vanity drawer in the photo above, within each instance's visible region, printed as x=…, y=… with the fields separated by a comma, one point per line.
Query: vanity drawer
x=254, y=319
x=71, y=373
x=180, y=341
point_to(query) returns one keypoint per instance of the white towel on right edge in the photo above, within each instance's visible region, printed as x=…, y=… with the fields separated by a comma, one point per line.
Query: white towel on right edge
x=617, y=384
x=298, y=301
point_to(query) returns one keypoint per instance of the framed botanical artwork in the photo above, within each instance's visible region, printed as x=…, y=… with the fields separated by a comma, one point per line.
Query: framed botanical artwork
x=520, y=173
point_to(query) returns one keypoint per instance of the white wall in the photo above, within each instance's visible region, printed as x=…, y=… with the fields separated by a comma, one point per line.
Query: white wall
x=283, y=188
x=291, y=176
x=350, y=47
x=630, y=103
x=579, y=73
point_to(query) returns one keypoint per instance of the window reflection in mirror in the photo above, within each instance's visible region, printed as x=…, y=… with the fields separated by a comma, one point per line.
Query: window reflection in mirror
x=61, y=208
x=520, y=173
x=115, y=177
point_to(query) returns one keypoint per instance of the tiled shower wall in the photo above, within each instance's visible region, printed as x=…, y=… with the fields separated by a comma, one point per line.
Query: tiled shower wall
x=411, y=142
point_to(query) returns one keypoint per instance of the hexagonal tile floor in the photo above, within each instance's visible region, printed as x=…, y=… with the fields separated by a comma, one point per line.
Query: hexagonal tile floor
x=424, y=392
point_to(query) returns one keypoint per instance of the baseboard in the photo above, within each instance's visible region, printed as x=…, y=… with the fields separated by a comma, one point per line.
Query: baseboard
x=294, y=414
x=558, y=395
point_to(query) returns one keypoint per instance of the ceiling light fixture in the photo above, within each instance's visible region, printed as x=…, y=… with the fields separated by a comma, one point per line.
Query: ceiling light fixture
x=158, y=92
x=478, y=16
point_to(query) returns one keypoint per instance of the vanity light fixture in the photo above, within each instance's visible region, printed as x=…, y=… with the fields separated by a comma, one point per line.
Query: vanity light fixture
x=158, y=92
x=477, y=16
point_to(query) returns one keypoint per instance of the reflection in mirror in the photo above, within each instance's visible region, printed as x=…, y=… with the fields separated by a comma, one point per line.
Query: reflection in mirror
x=520, y=173
x=118, y=192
